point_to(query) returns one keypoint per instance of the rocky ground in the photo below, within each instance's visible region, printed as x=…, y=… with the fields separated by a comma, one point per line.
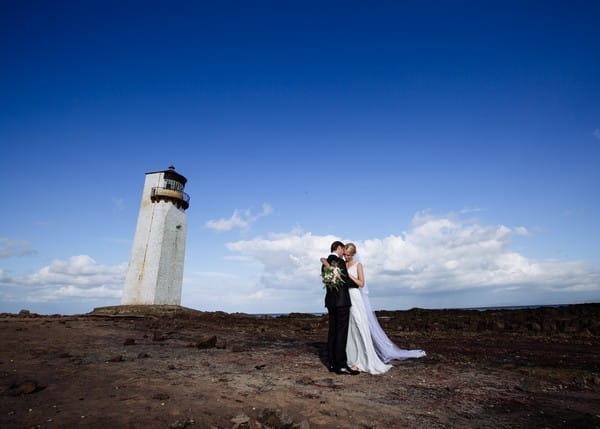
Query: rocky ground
x=176, y=369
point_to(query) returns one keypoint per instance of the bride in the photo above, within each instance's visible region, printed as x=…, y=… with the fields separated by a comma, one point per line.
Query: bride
x=368, y=348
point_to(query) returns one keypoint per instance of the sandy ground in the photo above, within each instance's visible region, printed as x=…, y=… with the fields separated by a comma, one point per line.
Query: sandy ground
x=170, y=371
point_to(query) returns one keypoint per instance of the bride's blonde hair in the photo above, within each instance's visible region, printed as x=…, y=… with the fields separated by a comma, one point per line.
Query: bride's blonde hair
x=350, y=247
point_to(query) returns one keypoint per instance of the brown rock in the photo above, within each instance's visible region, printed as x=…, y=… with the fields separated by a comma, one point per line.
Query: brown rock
x=26, y=387
x=304, y=425
x=129, y=342
x=306, y=380
x=181, y=423
x=529, y=386
x=549, y=326
x=207, y=342
x=157, y=336
x=116, y=358
x=160, y=396
x=275, y=419
x=240, y=419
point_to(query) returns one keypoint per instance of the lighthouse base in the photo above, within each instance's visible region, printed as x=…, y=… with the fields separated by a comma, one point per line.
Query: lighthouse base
x=143, y=310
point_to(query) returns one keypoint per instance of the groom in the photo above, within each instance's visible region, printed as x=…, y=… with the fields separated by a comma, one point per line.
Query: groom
x=337, y=301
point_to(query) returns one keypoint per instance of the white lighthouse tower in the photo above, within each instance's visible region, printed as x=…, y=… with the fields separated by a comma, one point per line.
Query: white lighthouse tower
x=155, y=271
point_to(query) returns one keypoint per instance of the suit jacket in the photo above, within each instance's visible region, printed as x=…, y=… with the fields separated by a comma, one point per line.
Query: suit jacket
x=339, y=297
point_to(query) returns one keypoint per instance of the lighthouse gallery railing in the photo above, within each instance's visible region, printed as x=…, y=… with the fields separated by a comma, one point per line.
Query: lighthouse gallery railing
x=160, y=192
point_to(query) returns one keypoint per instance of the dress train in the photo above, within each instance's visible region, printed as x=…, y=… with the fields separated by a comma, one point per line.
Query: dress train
x=385, y=348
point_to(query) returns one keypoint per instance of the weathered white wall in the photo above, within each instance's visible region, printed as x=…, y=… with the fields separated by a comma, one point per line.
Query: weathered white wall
x=155, y=271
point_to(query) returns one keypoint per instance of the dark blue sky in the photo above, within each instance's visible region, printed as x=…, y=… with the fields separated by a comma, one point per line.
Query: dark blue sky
x=445, y=107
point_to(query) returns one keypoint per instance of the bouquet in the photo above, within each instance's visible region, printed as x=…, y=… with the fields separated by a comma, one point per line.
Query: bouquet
x=332, y=277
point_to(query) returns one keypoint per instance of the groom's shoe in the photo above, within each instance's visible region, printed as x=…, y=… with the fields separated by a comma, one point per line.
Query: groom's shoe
x=353, y=371
x=346, y=371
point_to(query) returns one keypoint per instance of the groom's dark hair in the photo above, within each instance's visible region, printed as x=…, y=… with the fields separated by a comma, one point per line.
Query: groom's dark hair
x=335, y=245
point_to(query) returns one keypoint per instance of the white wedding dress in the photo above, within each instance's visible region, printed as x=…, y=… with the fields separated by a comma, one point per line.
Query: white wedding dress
x=360, y=350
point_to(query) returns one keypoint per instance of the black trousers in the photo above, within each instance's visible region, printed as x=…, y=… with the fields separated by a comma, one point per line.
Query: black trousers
x=338, y=335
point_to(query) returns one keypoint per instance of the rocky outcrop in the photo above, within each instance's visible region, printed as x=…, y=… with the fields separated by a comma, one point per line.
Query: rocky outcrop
x=581, y=319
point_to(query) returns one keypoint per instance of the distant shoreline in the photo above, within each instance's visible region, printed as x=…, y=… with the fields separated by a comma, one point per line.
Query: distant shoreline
x=491, y=308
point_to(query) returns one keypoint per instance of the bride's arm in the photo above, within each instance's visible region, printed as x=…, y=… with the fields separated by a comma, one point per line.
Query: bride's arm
x=324, y=262
x=360, y=281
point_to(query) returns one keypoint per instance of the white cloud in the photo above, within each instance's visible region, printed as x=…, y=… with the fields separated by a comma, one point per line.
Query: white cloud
x=79, y=276
x=242, y=219
x=214, y=274
x=95, y=292
x=287, y=259
x=219, y=291
x=440, y=261
x=10, y=248
x=596, y=133
x=521, y=230
x=438, y=255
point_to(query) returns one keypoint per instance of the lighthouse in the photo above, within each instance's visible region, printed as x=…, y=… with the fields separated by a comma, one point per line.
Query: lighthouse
x=155, y=270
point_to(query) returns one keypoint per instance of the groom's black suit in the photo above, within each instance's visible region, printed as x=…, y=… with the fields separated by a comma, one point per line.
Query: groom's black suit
x=338, y=305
